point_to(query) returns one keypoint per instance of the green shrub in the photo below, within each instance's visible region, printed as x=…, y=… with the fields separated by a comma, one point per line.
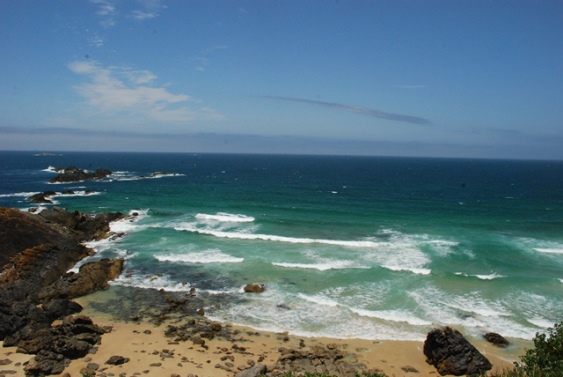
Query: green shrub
x=546, y=358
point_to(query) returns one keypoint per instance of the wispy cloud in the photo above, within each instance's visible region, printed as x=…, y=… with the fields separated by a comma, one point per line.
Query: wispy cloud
x=357, y=110
x=202, y=60
x=113, y=90
x=149, y=9
x=108, y=12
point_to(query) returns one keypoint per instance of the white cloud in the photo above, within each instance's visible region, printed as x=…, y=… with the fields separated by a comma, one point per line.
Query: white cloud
x=115, y=90
x=107, y=10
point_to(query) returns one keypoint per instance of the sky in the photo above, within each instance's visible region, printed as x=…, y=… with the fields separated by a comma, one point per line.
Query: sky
x=466, y=79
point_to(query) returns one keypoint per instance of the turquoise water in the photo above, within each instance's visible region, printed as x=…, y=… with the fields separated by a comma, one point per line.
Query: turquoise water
x=366, y=247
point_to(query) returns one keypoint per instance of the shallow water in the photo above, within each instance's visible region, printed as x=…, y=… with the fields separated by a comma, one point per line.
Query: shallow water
x=376, y=248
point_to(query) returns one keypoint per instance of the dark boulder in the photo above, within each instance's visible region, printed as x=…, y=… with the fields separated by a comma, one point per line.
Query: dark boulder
x=496, y=339
x=117, y=360
x=91, y=277
x=452, y=354
x=42, y=197
x=61, y=307
x=254, y=288
x=74, y=174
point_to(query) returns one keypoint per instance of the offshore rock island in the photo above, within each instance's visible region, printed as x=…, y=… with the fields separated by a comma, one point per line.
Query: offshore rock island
x=74, y=174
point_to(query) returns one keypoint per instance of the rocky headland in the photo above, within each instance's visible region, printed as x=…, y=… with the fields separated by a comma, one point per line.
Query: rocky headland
x=36, y=290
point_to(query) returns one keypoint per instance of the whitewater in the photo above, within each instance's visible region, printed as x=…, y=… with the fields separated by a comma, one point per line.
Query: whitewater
x=363, y=247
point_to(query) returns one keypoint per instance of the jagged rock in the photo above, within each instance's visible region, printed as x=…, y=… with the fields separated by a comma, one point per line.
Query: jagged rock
x=451, y=353
x=42, y=197
x=91, y=277
x=117, y=360
x=61, y=307
x=45, y=363
x=74, y=174
x=254, y=288
x=497, y=339
x=37, y=250
x=254, y=371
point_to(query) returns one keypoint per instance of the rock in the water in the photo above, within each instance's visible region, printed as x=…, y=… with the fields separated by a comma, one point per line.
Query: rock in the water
x=42, y=197
x=254, y=288
x=451, y=353
x=74, y=174
x=497, y=339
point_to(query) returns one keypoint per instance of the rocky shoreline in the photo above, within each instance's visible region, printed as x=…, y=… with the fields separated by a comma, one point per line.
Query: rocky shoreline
x=38, y=315
x=36, y=290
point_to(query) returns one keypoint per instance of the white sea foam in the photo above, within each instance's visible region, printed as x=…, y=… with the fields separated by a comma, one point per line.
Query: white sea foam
x=549, y=251
x=319, y=300
x=207, y=256
x=540, y=246
x=492, y=276
x=310, y=315
x=393, y=316
x=225, y=217
x=75, y=194
x=128, y=176
x=540, y=322
x=18, y=194
x=129, y=223
x=328, y=265
x=418, y=271
x=157, y=282
x=267, y=237
x=50, y=169
x=400, y=252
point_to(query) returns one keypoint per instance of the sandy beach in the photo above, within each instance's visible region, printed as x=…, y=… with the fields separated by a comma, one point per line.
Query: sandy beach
x=147, y=349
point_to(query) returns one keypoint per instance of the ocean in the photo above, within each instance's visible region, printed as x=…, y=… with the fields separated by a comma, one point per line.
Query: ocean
x=362, y=247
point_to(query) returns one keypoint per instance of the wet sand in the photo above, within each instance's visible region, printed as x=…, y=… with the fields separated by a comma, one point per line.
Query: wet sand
x=149, y=350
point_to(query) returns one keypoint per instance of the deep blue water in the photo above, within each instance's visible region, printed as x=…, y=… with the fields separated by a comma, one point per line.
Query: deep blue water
x=366, y=247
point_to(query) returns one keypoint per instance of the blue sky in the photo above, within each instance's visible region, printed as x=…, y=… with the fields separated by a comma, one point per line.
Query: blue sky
x=401, y=78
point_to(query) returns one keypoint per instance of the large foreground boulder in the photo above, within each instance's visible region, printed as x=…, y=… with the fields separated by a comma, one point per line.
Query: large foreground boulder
x=452, y=354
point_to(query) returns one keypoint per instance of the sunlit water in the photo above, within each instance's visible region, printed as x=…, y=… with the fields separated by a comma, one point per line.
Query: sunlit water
x=361, y=247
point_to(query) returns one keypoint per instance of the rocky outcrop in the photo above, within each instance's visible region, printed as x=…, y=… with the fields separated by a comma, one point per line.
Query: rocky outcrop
x=254, y=288
x=74, y=174
x=91, y=277
x=35, y=290
x=496, y=339
x=42, y=197
x=452, y=354
x=56, y=346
